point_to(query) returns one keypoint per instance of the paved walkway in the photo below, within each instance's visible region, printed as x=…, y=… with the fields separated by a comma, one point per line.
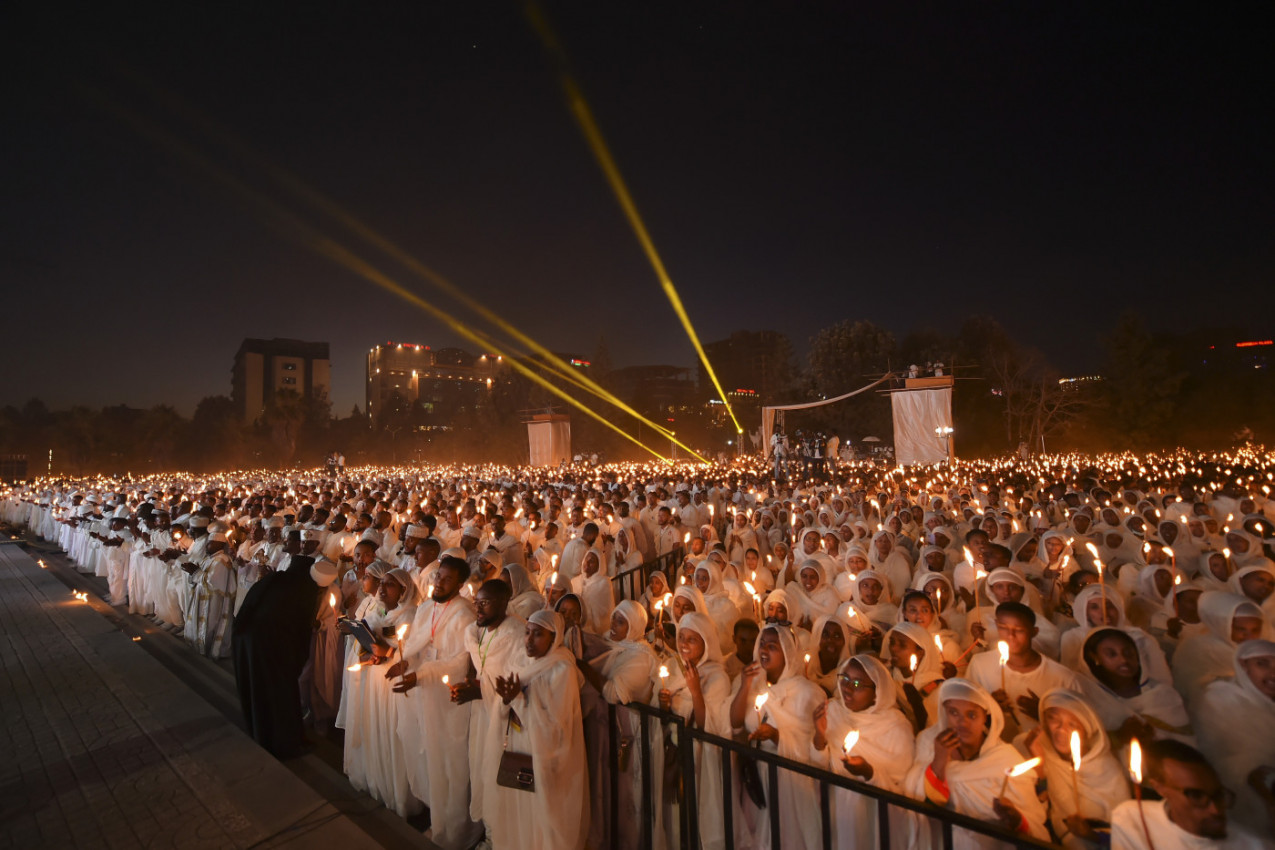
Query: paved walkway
x=103, y=747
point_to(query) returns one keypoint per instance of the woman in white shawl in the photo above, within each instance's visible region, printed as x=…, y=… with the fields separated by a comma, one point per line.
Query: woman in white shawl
x=785, y=724
x=961, y=763
x=740, y=538
x=1089, y=613
x=1100, y=779
x=723, y=610
x=1215, y=571
x=1236, y=723
x=1257, y=582
x=918, y=608
x=1146, y=606
x=594, y=588
x=886, y=559
x=1231, y=620
x=698, y=690
x=376, y=761
x=917, y=667
x=1128, y=702
x=624, y=555
x=540, y=716
x=864, y=702
x=947, y=603
x=622, y=674
x=525, y=599
x=819, y=597
x=872, y=594
x=831, y=645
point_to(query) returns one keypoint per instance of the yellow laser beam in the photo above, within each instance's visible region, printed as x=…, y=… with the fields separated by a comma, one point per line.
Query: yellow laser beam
x=328, y=247
x=593, y=135
x=300, y=188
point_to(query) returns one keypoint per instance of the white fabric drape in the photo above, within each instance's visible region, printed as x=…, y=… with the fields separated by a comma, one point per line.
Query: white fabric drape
x=917, y=413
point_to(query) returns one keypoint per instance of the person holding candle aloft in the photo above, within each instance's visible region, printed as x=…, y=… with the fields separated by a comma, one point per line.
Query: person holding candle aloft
x=962, y=764
x=881, y=754
x=1026, y=673
x=1080, y=798
x=785, y=725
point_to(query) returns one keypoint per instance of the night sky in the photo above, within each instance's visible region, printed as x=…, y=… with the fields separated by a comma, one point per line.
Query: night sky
x=797, y=163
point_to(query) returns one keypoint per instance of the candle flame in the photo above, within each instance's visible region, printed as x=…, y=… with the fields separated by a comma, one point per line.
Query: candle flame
x=760, y=701
x=1022, y=767
x=1135, y=760
x=332, y=600
x=445, y=678
x=401, y=631
x=663, y=671
x=912, y=663
x=1075, y=751
x=354, y=668
x=852, y=738
x=1003, y=648
x=748, y=586
x=938, y=642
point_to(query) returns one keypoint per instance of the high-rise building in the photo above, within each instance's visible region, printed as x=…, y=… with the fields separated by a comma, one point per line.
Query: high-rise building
x=755, y=364
x=438, y=383
x=265, y=367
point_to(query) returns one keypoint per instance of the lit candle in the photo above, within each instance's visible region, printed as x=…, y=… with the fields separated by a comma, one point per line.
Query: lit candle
x=1075, y=768
x=759, y=703
x=1003, y=648
x=912, y=664
x=852, y=738
x=1017, y=770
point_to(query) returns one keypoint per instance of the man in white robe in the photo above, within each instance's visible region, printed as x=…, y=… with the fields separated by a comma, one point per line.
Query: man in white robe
x=212, y=599
x=433, y=731
x=491, y=640
x=1193, y=813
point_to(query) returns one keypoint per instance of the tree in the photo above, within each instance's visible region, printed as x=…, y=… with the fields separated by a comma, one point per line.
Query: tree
x=1140, y=387
x=842, y=358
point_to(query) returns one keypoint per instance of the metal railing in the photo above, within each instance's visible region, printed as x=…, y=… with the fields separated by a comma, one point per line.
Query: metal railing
x=688, y=814
x=631, y=583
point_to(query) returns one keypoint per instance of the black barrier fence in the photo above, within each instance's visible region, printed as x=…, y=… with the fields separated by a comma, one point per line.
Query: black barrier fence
x=631, y=583
x=778, y=769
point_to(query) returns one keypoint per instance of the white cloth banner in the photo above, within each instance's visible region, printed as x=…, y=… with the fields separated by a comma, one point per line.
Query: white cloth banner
x=550, y=442
x=917, y=413
x=768, y=412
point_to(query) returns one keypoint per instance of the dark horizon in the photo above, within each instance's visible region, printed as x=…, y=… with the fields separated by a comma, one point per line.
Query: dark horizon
x=1052, y=167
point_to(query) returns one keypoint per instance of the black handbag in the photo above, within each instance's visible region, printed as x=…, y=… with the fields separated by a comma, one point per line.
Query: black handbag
x=516, y=769
x=750, y=781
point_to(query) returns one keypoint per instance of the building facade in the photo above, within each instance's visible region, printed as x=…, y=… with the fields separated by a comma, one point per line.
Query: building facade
x=432, y=384
x=265, y=367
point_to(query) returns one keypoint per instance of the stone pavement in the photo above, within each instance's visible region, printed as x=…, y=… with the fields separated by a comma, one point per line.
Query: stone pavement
x=104, y=747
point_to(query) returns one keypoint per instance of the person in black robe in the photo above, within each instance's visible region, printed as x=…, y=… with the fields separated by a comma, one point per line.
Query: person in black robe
x=271, y=643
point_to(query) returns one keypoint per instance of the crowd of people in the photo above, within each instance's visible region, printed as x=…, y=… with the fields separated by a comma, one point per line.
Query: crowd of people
x=1076, y=650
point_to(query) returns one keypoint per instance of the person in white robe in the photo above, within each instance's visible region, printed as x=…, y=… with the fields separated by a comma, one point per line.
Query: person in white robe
x=434, y=732
x=784, y=724
x=863, y=705
x=539, y=716
x=1090, y=615
x=1231, y=620
x=962, y=764
x=1193, y=814
x=211, y=611
x=492, y=640
x=1236, y=723
x=376, y=761
x=1026, y=675
x=593, y=586
x=698, y=689
x=1099, y=780
x=1129, y=703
